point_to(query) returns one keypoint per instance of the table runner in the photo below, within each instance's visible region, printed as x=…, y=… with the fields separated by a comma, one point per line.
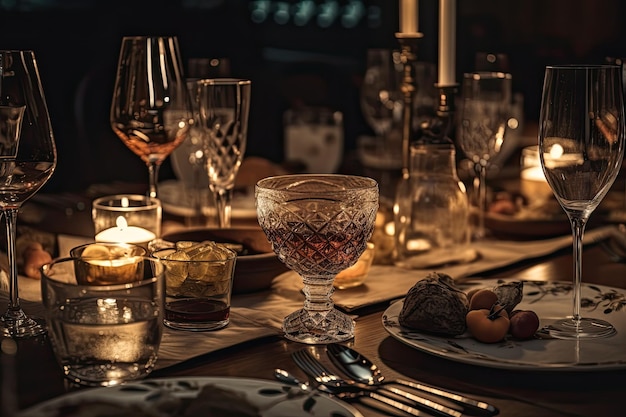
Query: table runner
x=260, y=314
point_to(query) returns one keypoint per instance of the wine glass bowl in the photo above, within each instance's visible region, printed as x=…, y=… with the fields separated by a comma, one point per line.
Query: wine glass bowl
x=151, y=109
x=28, y=159
x=318, y=226
x=224, y=108
x=581, y=148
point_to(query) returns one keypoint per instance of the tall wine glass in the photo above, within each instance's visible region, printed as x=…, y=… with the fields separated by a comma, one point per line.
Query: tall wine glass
x=28, y=158
x=151, y=110
x=485, y=111
x=224, y=107
x=318, y=226
x=382, y=99
x=581, y=147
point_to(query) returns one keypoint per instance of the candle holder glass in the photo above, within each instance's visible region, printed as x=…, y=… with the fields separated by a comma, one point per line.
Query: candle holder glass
x=127, y=218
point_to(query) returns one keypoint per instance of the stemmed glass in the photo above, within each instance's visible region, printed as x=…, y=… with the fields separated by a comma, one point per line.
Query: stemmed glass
x=28, y=158
x=581, y=147
x=318, y=226
x=224, y=108
x=381, y=98
x=485, y=111
x=151, y=110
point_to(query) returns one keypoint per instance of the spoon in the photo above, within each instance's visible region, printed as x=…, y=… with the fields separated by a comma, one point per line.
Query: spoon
x=363, y=370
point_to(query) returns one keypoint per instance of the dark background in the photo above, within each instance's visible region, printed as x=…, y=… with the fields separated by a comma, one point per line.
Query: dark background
x=319, y=62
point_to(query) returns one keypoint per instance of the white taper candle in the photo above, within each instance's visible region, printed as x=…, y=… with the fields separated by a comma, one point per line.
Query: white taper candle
x=409, y=11
x=447, y=42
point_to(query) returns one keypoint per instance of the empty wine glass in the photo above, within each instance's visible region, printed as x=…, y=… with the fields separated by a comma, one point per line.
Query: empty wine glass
x=318, y=225
x=382, y=99
x=151, y=110
x=28, y=158
x=224, y=107
x=485, y=111
x=581, y=148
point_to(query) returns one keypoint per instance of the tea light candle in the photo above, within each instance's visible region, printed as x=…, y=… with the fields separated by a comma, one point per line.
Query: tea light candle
x=125, y=234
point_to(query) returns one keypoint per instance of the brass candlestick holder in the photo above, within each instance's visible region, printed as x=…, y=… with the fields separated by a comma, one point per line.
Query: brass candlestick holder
x=408, y=47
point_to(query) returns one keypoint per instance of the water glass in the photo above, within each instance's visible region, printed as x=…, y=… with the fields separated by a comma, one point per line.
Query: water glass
x=103, y=335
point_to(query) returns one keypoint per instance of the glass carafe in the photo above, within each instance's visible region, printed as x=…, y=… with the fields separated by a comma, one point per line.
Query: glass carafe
x=431, y=212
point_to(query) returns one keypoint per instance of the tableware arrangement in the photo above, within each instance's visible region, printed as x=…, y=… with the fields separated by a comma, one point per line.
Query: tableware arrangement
x=151, y=111
x=127, y=218
x=224, y=108
x=28, y=158
x=348, y=389
x=581, y=148
x=106, y=263
x=200, y=395
x=104, y=335
x=198, y=285
x=257, y=265
x=543, y=353
x=484, y=112
x=318, y=225
x=363, y=370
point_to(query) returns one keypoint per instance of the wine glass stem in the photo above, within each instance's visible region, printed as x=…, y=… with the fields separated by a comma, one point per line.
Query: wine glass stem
x=223, y=198
x=481, y=197
x=10, y=216
x=578, y=231
x=318, y=294
x=153, y=172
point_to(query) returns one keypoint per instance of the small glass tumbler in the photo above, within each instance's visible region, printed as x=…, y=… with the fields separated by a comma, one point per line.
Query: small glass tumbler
x=127, y=218
x=103, y=335
x=199, y=285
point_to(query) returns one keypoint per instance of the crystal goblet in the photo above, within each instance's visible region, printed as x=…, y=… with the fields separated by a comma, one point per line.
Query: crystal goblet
x=318, y=226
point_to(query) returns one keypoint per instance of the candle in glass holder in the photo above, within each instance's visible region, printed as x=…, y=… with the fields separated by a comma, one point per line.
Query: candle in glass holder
x=533, y=183
x=127, y=218
x=124, y=233
x=104, y=263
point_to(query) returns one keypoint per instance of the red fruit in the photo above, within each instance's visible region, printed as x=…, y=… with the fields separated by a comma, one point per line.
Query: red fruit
x=524, y=324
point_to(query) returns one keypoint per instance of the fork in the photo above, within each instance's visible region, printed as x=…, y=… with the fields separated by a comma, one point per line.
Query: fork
x=323, y=376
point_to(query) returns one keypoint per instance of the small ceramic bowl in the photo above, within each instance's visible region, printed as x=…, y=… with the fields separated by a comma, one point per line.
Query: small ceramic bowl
x=256, y=266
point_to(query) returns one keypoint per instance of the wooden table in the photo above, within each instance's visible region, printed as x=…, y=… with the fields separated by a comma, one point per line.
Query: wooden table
x=516, y=393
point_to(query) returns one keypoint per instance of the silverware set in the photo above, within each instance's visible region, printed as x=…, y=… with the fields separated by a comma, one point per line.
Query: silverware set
x=366, y=381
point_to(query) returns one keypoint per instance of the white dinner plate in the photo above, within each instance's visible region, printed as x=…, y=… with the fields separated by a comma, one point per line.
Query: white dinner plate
x=551, y=301
x=177, y=201
x=146, y=394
